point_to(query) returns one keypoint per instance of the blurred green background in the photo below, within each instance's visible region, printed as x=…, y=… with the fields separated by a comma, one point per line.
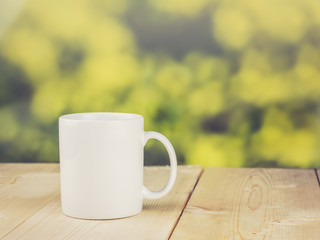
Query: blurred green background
x=229, y=82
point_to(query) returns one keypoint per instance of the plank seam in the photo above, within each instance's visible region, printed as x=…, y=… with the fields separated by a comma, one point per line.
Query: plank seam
x=186, y=203
x=317, y=175
x=13, y=229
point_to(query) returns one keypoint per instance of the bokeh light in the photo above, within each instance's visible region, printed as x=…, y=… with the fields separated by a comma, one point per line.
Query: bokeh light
x=230, y=83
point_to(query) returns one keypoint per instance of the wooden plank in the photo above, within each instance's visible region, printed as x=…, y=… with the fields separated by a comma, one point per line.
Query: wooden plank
x=252, y=204
x=156, y=221
x=318, y=175
x=24, y=189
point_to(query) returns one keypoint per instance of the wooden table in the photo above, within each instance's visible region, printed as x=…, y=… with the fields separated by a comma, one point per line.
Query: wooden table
x=215, y=203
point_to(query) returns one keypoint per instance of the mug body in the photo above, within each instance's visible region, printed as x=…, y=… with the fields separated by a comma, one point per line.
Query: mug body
x=101, y=164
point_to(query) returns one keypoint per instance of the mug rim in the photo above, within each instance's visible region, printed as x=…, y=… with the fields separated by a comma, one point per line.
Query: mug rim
x=100, y=116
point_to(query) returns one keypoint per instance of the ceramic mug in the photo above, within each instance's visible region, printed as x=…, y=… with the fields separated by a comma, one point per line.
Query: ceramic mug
x=101, y=165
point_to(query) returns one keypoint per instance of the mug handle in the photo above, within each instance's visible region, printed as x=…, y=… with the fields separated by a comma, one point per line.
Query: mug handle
x=173, y=165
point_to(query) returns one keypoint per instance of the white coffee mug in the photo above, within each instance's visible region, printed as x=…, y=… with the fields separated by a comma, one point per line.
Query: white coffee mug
x=101, y=164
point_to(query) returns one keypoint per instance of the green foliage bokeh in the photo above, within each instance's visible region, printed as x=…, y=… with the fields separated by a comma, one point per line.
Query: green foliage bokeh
x=230, y=83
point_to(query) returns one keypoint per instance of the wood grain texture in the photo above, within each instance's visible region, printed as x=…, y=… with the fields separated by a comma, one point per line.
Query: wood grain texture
x=252, y=204
x=24, y=189
x=156, y=221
